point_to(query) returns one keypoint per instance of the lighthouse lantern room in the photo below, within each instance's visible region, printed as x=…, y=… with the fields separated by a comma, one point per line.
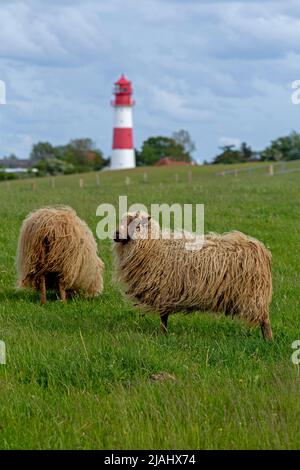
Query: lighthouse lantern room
x=122, y=148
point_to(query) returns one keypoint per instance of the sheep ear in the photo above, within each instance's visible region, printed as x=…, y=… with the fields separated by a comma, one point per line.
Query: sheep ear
x=149, y=217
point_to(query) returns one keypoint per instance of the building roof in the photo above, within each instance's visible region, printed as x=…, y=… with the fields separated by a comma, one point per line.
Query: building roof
x=15, y=163
x=167, y=161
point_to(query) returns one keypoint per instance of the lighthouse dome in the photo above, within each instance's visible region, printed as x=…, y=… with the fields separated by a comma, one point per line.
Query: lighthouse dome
x=123, y=92
x=123, y=86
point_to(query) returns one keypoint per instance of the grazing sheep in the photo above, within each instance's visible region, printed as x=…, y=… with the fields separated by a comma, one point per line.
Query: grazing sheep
x=231, y=273
x=57, y=251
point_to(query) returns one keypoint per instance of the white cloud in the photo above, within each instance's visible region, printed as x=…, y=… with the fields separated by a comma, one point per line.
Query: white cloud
x=175, y=106
x=224, y=141
x=216, y=70
x=60, y=34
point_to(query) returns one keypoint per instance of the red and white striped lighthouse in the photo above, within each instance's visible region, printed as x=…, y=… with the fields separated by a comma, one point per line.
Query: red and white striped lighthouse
x=123, y=149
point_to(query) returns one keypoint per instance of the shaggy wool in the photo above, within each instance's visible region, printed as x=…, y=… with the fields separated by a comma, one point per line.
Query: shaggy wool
x=56, y=244
x=231, y=273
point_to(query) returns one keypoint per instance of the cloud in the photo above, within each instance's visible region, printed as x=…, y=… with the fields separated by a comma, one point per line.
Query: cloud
x=217, y=68
x=59, y=35
x=175, y=106
x=225, y=141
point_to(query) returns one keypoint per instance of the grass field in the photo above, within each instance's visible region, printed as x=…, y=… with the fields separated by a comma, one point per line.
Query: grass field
x=78, y=375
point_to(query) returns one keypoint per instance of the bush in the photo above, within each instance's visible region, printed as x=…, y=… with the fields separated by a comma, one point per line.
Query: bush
x=7, y=176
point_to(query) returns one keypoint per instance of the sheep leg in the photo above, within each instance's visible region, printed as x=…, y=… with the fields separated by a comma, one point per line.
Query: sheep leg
x=266, y=330
x=43, y=289
x=164, y=323
x=62, y=291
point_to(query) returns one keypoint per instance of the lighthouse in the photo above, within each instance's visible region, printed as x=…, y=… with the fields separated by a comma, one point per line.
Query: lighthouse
x=122, y=148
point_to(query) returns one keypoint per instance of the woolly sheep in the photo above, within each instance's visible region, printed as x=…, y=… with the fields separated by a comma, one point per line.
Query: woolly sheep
x=231, y=273
x=57, y=250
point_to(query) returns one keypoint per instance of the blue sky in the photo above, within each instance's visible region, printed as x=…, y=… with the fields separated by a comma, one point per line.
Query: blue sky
x=220, y=69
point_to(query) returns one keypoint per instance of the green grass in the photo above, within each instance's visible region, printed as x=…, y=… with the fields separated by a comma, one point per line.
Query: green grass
x=78, y=375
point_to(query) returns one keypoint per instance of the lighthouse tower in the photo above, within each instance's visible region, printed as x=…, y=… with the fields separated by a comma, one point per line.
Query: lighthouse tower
x=122, y=148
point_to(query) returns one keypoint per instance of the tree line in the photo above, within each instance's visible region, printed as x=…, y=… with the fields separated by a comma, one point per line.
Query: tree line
x=181, y=147
x=78, y=156
x=281, y=149
x=82, y=155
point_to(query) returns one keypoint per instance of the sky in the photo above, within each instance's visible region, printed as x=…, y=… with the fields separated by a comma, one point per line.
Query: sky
x=223, y=70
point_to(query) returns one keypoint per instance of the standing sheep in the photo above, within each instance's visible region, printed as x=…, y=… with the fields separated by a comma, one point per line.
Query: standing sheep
x=231, y=273
x=57, y=250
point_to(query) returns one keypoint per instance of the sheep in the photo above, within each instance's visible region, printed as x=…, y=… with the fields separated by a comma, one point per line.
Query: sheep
x=230, y=274
x=57, y=250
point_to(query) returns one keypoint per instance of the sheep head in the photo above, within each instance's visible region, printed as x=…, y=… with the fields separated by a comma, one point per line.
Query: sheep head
x=136, y=226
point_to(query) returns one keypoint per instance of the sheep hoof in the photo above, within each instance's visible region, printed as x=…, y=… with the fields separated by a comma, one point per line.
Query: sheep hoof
x=266, y=330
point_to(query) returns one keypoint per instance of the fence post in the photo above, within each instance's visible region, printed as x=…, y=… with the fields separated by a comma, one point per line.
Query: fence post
x=271, y=170
x=81, y=183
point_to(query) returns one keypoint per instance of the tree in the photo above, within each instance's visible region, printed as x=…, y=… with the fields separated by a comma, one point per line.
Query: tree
x=41, y=151
x=155, y=148
x=284, y=148
x=138, y=158
x=184, y=139
x=246, y=152
x=11, y=161
x=83, y=154
x=228, y=155
x=54, y=166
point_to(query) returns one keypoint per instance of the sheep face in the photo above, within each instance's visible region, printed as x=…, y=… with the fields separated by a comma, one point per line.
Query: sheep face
x=136, y=226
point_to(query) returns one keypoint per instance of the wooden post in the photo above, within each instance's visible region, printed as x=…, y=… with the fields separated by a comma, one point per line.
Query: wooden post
x=190, y=177
x=97, y=180
x=53, y=183
x=236, y=173
x=127, y=181
x=33, y=186
x=145, y=176
x=176, y=178
x=81, y=183
x=223, y=173
x=271, y=170
x=8, y=185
